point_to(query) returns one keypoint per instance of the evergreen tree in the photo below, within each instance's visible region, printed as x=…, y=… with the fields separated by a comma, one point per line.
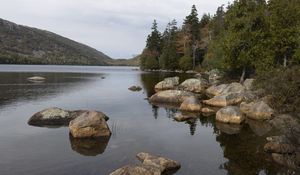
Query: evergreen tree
x=149, y=57
x=169, y=57
x=247, y=35
x=285, y=22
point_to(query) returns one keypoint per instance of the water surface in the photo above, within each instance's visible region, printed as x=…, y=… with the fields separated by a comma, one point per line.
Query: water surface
x=202, y=146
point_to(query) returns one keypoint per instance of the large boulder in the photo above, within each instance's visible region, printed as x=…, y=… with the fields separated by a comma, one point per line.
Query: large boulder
x=194, y=85
x=55, y=117
x=90, y=124
x=167, y=83
x=191, y=104
x=162, y=163
x=248, y=84
x=215, y=90
x=225, y=100
x=51, y=116
x=170, y=96
x=230, y=114
x=257, y=110
x=234, y=88
x=136, y=170
x=214, y=76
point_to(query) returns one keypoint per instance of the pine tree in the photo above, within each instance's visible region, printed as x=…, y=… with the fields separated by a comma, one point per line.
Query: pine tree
x=169, y=57
x=285, y=21
x=247, y=35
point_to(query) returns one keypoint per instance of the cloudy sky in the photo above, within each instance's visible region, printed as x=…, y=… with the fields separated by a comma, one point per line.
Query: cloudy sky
x=116, y=27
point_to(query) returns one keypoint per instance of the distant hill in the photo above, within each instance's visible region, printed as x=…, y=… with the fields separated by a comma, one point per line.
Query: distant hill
x=135, y=61
x=26, y=45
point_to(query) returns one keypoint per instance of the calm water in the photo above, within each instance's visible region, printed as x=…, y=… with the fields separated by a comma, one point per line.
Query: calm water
x=202, y=146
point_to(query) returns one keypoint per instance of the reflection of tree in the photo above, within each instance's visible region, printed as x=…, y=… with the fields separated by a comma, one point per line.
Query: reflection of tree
x=245, y=154
x=89, y=147
x=155, y=111
x=193, y=125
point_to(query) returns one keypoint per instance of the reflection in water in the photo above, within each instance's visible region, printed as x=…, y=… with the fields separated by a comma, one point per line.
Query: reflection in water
x=245, y=154
x=229, y=128
x=14, y=86
x=89, y=147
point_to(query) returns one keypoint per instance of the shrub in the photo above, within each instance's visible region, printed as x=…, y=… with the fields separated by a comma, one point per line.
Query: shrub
x=186, y=62
x=283, y=85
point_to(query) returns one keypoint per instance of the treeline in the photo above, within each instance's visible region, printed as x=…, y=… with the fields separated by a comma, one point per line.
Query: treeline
x=246, y=35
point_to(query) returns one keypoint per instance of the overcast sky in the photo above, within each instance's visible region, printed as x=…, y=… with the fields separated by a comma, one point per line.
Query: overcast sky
x=116, y=27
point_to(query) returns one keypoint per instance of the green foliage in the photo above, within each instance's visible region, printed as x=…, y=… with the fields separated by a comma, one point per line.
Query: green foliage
x=154, y=41
x=284, y=17
x=186, y=62
x=169, y=57
x=192, y=26
x=149, y=60
x=214, y=57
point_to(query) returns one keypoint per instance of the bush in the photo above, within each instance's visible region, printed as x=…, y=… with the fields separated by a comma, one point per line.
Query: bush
x=186, y=62
x=283, y=85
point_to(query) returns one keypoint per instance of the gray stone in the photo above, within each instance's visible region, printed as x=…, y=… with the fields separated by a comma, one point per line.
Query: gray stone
x=194, y=85
x=167, y=83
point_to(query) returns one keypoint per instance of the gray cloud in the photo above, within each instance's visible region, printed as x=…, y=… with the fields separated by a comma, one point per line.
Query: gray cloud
x=115, y=27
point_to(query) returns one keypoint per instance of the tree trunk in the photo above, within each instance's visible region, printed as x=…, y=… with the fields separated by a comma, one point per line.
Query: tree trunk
x=243, y=75
x=194, y=57
x=284, y=61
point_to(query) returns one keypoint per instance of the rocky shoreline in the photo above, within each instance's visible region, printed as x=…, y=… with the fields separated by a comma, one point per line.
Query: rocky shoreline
x=232, y=105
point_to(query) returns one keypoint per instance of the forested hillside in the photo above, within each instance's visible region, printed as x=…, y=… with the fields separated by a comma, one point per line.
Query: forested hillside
x=26, y=45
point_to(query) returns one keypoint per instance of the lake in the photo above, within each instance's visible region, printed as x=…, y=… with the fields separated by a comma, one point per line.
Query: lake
x=202, y=146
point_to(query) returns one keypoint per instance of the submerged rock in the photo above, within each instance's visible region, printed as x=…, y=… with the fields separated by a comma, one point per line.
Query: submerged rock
x=229, y=128
x=257, y=110
x=89, y=146
x=194, y=85
x=191, y=104
x=170, y=96
x=225, y=100
x=90, y=124
x=184, y=117
x=167, y=83
x=230, y=114
x=137, y=170
x=162, y=163
x=288, y=160
x=278, y=147
x=135, y=88
x=260, y=128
